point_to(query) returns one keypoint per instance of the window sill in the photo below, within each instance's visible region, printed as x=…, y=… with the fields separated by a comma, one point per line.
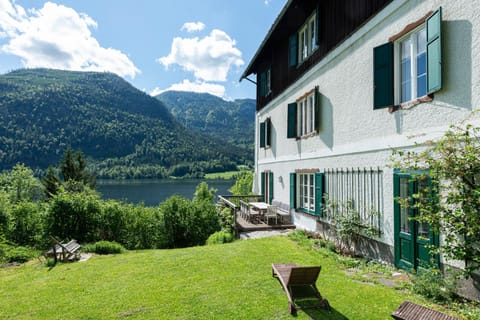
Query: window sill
x=411, y=104
x=308, y=135
x=306, y=212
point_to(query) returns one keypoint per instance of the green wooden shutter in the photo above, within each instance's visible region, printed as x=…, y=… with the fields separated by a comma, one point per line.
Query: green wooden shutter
x=262, y=135
x=263, y=84
x=317, y=110
x=293, y=50
x=383, y=76
x=292, y=120
x=318, y=193
x=262, y=184
x=270, y=187
x=268, y=132
x=434, y=52
x=293, y=195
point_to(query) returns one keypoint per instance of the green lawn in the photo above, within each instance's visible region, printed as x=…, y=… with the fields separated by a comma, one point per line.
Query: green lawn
x=231, y=281
x=228, y=175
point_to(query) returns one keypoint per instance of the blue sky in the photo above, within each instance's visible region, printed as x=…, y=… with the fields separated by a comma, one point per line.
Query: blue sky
x=192, y=45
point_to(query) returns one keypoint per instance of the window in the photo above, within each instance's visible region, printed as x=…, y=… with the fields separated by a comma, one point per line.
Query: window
x=410, y=66
x=307, y=36
x=413, y=69
x=304, y=115
x=267, y=186
x=266, y=82
x=356, y=191
x=265, y=133
x=306, y=191
x=304, y=42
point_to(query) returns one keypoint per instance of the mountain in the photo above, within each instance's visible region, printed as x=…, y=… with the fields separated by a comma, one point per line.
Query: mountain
x=119, y=127
x=232, y=121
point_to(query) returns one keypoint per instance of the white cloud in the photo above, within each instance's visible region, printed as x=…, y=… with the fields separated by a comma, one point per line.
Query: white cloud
x=197, y=86
x=193, y=26
x=209, y=58
x=58, y=37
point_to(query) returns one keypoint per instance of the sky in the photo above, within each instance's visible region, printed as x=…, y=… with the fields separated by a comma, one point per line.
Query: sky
x=156, y=45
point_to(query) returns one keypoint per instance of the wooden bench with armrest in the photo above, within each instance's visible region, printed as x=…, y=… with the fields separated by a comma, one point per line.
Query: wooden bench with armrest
x=412, y=311
x=65, y=251
x=283, y=211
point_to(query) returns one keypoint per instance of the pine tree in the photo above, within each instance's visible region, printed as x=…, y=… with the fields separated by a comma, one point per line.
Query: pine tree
x=73, y=166
x=50, y=182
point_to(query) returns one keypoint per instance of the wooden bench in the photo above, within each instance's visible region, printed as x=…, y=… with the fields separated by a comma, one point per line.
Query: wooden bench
x=283, y=211
x=65, y=251
x=292, y=277
x=412, y=311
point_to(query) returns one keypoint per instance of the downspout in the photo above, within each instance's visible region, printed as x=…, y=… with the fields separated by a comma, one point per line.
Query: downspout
x=255, y=179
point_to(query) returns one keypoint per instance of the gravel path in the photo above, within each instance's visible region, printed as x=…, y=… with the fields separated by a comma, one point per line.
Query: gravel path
x=262, y=234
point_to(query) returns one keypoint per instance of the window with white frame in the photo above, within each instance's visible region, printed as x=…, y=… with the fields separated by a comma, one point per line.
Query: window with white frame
x=307, y=36
x=409, y=66
x=306, y=115
x=306, y=191
x=412, y=52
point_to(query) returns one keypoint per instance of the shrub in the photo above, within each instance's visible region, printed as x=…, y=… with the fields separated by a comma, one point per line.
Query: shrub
x=28, y=222
x=144, y=228
x=49, y=262
x=431, y=284
x=104, y=247
x=220, y=237
x=113, y=221
x=189, y=223
x=227, y=220
x=10, y=253
x=75, y=215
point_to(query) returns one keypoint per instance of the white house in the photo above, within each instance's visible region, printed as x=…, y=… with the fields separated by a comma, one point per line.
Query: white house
x=341, y=83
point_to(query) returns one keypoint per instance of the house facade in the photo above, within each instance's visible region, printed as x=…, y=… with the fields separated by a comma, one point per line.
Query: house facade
x=341, y=83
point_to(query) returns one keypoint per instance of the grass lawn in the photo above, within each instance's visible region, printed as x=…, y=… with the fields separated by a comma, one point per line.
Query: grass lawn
x=222, y=175
x=231, y=281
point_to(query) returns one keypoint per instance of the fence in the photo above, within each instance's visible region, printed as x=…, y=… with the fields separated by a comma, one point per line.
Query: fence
x=358, y=190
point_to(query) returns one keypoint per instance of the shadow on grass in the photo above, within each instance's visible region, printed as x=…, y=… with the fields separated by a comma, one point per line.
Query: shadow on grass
x=314, y=306
x=324, y=314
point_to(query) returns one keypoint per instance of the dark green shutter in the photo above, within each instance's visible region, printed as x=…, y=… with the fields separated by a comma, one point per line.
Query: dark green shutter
x=318, y=118
x=270, y=187
x=262, y=184
x=293, y=195
x=262, y=135
x=383, y=76
x=318, y=193
x=263, y=84
x=268, y=132
x=292, y=120
x=434, y=52
x=292, y=50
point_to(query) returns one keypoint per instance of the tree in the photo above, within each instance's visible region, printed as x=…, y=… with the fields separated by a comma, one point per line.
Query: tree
x=203, y=194
x=20, y=184
x=453, y=208
x=50, y=182
x=73, y=166
x=243, y=184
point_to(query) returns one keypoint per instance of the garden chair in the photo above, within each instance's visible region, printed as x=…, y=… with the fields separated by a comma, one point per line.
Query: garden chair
x=295, y=279
x=270, y=214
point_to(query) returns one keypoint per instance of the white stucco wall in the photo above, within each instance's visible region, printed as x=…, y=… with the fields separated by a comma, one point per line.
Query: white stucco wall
x=352, y=133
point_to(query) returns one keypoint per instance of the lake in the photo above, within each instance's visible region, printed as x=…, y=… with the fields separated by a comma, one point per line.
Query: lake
x=153, y=191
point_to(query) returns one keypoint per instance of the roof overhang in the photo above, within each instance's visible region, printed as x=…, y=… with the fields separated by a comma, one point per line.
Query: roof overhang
x=249, y=70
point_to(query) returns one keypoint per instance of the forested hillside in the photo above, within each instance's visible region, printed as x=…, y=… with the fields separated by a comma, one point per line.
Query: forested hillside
x=124, y=131
x=233, y=121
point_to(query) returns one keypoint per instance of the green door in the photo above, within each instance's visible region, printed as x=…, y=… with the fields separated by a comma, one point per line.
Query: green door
x=412, y=238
